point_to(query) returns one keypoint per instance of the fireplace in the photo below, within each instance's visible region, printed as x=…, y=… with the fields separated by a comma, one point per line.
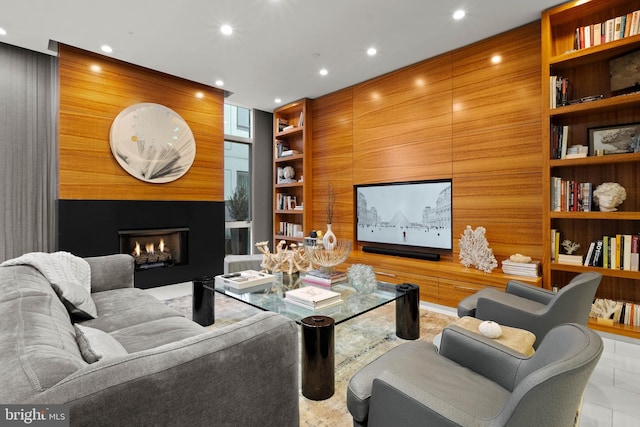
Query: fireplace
x=192, y=231
x=155, y=248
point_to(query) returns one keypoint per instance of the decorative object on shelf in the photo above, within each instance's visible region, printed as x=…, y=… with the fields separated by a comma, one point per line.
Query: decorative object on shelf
x=285, y=260
x=474, y=250
x=609, y=195
x=569, y=246
x=490, y=329
x=362, y=278
x=326, y=258
x=238, y=204
x=615, y=139
x=329, y=239
x=289, y=173
x=520, y=258
x=152, y=143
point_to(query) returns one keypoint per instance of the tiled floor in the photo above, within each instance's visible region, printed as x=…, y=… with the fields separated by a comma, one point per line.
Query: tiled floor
x=612, y=398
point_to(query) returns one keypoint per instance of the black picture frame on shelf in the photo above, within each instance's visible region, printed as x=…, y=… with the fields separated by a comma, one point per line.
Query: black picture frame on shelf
x=617, y=139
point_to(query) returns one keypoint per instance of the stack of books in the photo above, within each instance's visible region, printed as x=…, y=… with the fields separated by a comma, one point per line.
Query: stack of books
x=244, y=279
x=528, y=269
x=312, y=298
x=317, y=277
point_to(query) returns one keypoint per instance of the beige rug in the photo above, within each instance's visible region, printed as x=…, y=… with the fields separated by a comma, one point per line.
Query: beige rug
x=357, y=342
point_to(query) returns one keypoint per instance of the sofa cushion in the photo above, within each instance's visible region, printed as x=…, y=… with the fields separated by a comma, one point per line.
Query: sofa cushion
x=121, y=308
x=76, y=299
x=37, y=340
x=95, y=344
x=144, y=336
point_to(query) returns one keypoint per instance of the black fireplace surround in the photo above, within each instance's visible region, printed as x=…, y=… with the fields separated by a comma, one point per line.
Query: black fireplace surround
x=91, y=228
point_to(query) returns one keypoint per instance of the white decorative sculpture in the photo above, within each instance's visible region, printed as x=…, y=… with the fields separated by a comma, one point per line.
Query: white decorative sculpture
x=475, y=250
x=609, y=195
x=291, y=260
x=490, y=329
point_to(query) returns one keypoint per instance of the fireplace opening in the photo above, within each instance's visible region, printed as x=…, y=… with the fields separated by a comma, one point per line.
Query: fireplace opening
x=155, y=248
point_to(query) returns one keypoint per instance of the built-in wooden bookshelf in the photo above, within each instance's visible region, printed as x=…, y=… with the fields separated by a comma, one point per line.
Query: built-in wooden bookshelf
x=588, y=71
x=291, y=172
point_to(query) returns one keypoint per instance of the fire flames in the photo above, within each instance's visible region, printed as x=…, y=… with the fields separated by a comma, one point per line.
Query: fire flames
x=150, y=254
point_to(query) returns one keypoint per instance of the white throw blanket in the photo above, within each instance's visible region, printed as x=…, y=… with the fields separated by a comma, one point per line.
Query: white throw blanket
x=57, y=267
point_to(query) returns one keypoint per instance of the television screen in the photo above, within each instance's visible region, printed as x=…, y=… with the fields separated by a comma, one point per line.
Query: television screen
x=416, y=214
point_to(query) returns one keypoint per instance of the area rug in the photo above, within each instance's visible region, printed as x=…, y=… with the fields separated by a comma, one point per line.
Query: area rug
x=357, y=342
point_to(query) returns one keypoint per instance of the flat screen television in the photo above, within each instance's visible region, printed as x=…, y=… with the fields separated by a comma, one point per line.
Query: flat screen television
x=405, y=215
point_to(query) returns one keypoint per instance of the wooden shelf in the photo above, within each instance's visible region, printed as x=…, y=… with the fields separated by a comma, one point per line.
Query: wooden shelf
x=596, y=160
x=617, y=215
x=599, y=106
x=293, y=131
x=617, y=329
x=298, y=138
x=289, y=158
x=588, y=72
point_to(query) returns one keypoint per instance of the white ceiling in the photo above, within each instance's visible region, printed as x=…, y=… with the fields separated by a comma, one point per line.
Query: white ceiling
x=277, y=47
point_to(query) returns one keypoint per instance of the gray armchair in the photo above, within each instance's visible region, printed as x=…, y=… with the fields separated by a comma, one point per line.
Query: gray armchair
x=534, y=309
x=475, y=381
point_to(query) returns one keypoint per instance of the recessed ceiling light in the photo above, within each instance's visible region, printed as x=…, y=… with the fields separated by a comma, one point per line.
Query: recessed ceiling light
x=219, y=83
x=3, y=32
x=226, y=30
x=95, y=68
x=458, y=14
x=324, y=72
x=199, y=95
x=106, y=48
x=496, y=59
x=277, y=100
x=371, y=51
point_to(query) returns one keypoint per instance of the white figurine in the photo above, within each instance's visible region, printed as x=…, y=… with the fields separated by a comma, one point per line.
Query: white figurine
x=609, y=195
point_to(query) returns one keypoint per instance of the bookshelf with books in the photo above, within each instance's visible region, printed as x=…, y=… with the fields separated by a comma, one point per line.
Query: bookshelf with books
x=291, y=171
x=589, y=102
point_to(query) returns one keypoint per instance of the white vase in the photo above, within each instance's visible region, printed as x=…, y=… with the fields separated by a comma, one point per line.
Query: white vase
x=329, y=239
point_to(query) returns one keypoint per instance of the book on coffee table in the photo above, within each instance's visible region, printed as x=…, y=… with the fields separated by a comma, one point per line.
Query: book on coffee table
x=244, y=279
x=313, y=297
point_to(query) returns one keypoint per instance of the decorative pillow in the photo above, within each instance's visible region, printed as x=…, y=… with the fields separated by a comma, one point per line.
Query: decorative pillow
x=97, y=345
x=76, y=299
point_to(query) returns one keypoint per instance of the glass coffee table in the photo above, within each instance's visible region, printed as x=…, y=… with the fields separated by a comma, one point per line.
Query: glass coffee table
x=317, y=363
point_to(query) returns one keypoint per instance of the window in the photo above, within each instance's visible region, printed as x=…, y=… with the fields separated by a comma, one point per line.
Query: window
x=237, y=180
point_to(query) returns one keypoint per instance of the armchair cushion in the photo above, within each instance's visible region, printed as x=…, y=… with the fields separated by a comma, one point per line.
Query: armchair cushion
x=417, y=363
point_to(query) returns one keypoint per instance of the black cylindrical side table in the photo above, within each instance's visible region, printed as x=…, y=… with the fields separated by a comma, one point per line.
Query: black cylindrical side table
x=203, y=300
x=407, y=312
x=318, y=357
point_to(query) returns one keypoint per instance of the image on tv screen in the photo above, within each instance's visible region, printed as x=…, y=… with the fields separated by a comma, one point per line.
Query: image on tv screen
x=413, y=214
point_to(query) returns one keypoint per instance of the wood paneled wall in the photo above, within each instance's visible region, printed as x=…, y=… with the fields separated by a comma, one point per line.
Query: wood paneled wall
x=91, y=100
x=458, y=115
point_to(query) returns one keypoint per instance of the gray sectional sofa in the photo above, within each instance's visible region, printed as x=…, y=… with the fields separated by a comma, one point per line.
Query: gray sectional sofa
x=140, y=362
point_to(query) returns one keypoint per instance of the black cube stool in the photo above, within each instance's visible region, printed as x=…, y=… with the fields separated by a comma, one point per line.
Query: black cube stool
x=318, y=357
x=408, y=312
x=203, y=300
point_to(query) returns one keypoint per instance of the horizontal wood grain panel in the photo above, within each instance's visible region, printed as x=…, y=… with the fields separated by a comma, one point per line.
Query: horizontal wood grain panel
x=90, y=101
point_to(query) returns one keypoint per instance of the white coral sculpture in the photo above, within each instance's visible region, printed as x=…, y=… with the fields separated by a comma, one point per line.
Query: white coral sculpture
x=286, y=260
x=570, y=246
x=475, y=250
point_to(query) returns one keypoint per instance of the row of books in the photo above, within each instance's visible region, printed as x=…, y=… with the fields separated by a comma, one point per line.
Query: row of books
x=604, y=32
x=559, y=91
x=571, y=195
x=626, y=313
x=290, y=229
x=317, y=277
x=560, y=148
x=527, y=269
x=286, y=201
x=619, y=252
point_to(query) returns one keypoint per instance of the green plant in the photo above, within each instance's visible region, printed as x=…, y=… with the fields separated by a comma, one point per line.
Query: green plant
x=239, y=204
